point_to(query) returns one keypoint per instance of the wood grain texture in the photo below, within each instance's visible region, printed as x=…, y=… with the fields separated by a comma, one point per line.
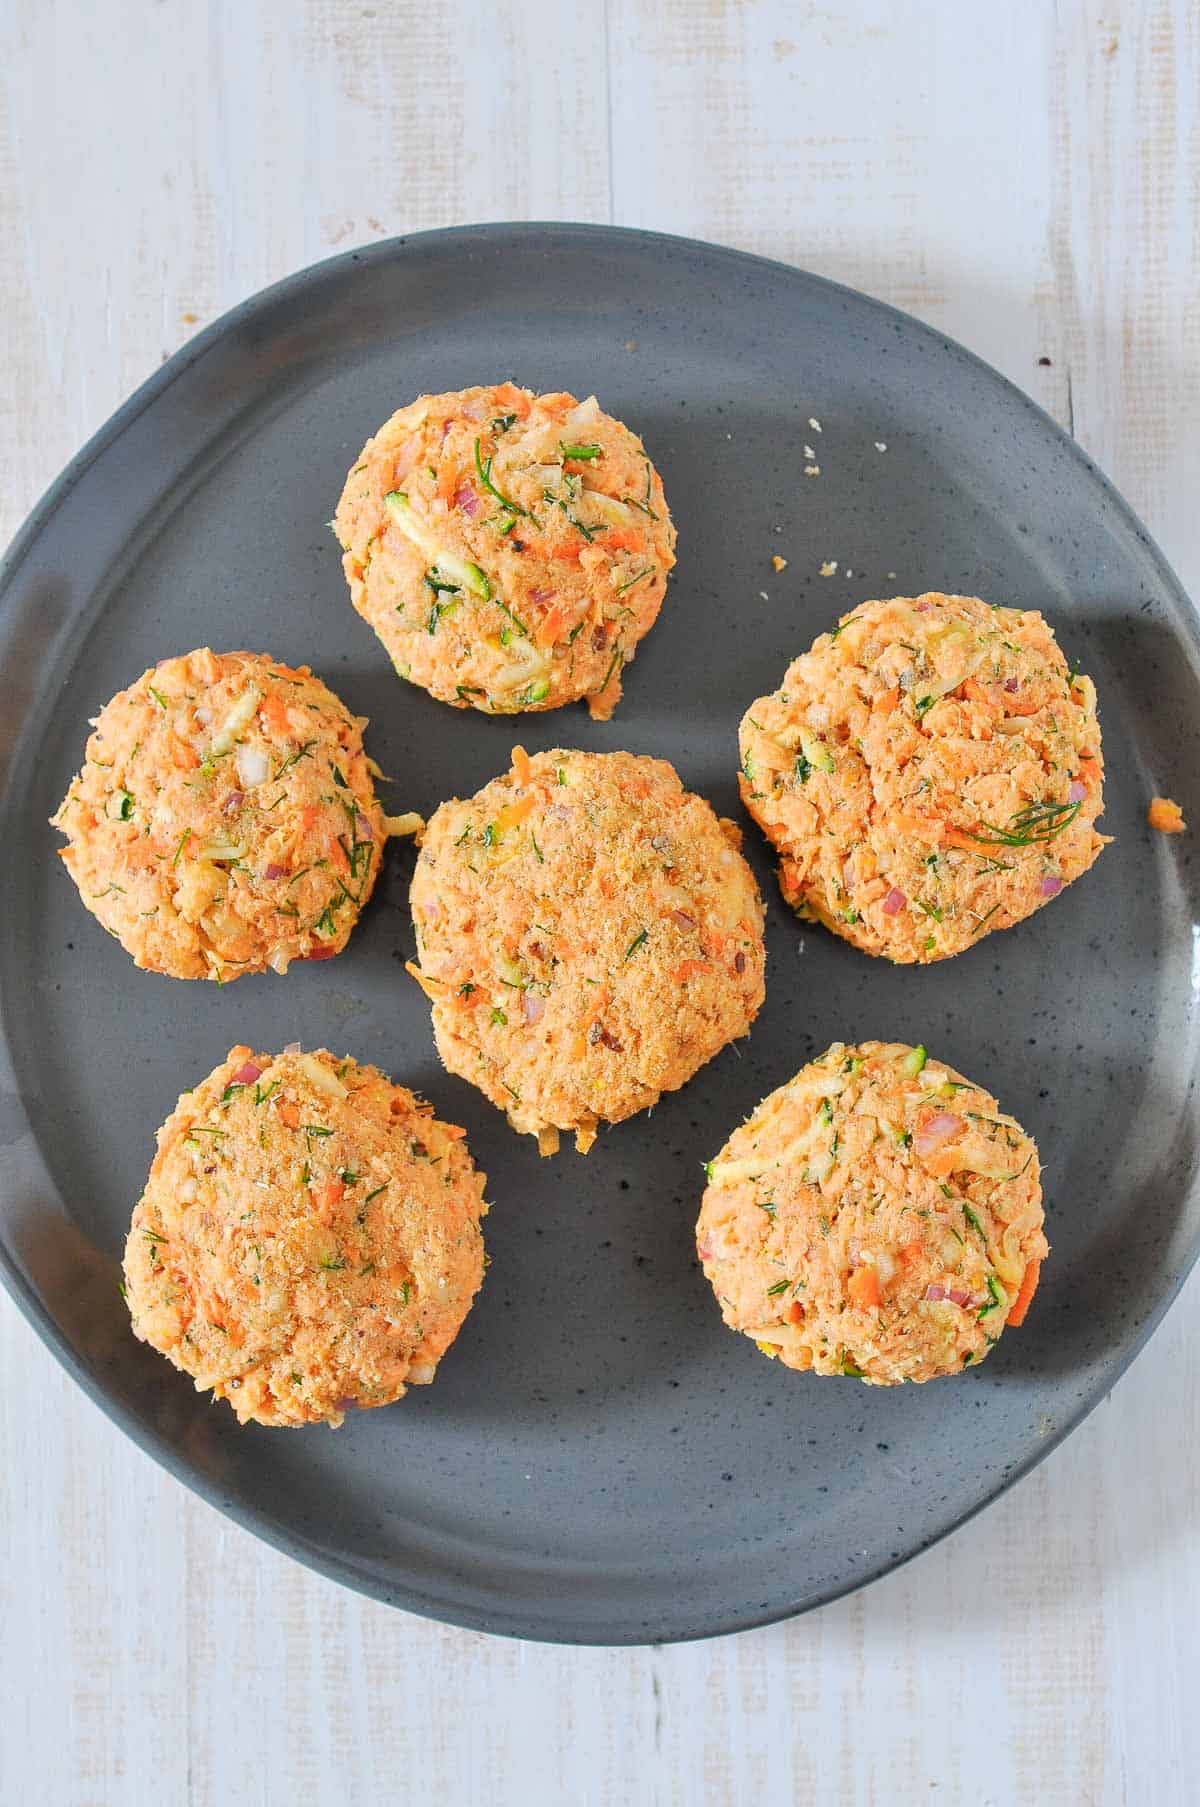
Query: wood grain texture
x=1026, y=177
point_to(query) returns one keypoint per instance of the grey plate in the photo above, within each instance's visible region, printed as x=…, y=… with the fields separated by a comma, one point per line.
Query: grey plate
x=600, y=1460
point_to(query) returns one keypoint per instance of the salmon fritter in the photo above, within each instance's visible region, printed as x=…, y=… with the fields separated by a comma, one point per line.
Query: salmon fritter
x=928, y=772
x=588, y=934
x=308, y=1239
x=878, y=1216
x=225, y=820
x=509, y=549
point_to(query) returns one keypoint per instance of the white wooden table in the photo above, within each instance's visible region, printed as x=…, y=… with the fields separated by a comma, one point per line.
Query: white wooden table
x=1026, y=176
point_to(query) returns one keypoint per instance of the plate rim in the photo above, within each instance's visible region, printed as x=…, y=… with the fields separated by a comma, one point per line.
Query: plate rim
x=500, y=1619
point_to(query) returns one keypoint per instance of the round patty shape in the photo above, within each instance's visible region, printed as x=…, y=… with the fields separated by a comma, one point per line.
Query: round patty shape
x=878, y=1216
x=509, y=549
x=928, y=772
x=224, y=819
x=308, y=1238
x=588, y=934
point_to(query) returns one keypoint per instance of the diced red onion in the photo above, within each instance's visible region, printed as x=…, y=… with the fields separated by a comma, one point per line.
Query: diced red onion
x=1050, y=886
x=939, y=1129
x=274, y=871
x=247, y=1073
x=204, y=715
x=363, y=829
x=322, y=952
x=474, y=410
x=466, y=499
x=923, y=608
x=232, y=803
x=292, y=1048
x=704, y=1248
x=1012, y=685
x=538, y=595
x=739, y=962
x=534, y=1006
x=957, y=1296
x=894, y=902
x=935, y=1294
x=682, y=920
x=1077, y=792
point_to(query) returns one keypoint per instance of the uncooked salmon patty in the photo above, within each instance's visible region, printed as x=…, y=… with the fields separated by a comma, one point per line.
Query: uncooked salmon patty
x=928, y=772
x=509, y=549
x=588, y=934
x=308, y=1239
x=878, y=1215
x=224, y=819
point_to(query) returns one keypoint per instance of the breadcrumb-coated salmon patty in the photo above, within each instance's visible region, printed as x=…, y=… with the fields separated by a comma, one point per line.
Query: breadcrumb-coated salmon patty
x=878, y=1216
x=509, y=549
x=308, y=1239
x=928, y=772
x=588, y=934
x=225, y=819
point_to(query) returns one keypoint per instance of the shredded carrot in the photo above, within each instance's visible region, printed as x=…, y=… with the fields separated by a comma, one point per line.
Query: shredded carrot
x=288, y=1114
x=327, y=1198
x=566, y=548
x=688, y=969
x=625, y=539
x=183, y=755
x=273, y=715
x=887, y=701
x=520, y=764
x=550, y=626
x=910, y=1252
x=862, y=1288
x=926, y=828
x=447, y=481
x=956, y=837
x=513, y=813
x=1165, y=815
x=1029, y=1285
x=795, y=1312
x=940, y=1163
x=974, y=692
x=509, y=396
x=434, y=989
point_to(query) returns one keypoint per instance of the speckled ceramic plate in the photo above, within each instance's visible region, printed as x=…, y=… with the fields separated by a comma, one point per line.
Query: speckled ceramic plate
x=599, y=1459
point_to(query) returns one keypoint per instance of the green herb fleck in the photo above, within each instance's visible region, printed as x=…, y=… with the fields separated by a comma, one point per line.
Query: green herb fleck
x=485, y=477
x=974, y=1222
x=1037, y=823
